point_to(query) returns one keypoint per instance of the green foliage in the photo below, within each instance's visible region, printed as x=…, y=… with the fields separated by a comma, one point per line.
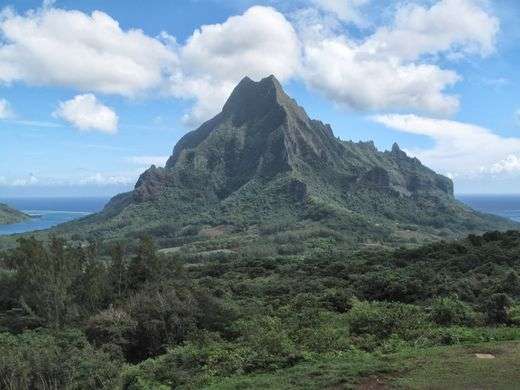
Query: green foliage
x=242, y=319
x=514, y=314
x=51, y=360
x=496, y=308
x=45, y=279
x=451, y=311
x=268, y=341
x=145, y=266
x=194, y=362
x=113, y=328
x=382, y=319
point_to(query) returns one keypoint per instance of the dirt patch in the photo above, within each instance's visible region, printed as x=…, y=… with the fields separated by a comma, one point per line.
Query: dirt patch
x=484, y=356
x=214, y=231
x=169, y=251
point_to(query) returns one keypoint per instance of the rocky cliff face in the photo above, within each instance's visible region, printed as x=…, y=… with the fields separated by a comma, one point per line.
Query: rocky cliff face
x=262, y=158
x=261, y=133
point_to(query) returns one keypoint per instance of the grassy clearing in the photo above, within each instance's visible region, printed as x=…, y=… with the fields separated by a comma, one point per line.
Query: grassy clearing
x=438, y=368
x=457, y=367
x=342, y=371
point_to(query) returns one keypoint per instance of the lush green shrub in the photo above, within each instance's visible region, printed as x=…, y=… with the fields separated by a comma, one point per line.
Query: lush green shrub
x=112, y=327
x=270, y=345
x=451, y=311
x=513, y=314
x=190, y=364
x=383, y=319
x=496, y=308
x=53, y=360
x=164, y=315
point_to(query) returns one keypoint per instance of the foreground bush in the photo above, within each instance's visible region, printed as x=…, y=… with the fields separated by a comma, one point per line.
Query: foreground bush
x=452, y=311
x=54, y=360
x=382, y=319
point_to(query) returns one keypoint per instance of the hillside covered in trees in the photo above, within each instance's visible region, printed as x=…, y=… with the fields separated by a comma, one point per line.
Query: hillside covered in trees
x=95, y=316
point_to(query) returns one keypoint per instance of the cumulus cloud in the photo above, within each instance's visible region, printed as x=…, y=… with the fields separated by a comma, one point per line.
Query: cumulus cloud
x=85, y=112
x=5, y=109
x=53, y=46
x=510, y=164
x=149, y=160
x=344, y=74
x=455, y=27
x=374, y=73
x=459, y=148
x=258, y=43
x=394, y=68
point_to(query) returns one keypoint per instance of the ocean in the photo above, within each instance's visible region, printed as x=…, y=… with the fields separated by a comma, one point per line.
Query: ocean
x=50, y=212
x=507, y=206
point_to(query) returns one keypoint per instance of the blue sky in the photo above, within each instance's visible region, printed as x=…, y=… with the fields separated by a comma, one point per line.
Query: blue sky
x=93, y=92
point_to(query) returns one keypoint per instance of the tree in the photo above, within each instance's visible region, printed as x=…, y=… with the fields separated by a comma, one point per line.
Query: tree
x=496, y=308
x=511, y=283
x=45, y=278
x=145, y=266
x=451, y=311
x=118, y=271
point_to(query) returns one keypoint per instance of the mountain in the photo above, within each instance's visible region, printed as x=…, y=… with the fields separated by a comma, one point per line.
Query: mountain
x=263, y=167
x=9, y=215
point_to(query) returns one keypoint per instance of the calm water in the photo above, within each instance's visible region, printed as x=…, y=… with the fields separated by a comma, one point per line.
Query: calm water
x=507, y=206
x=49, y=212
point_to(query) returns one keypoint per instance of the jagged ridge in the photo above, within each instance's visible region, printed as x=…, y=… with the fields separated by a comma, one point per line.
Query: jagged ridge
x=263, y=159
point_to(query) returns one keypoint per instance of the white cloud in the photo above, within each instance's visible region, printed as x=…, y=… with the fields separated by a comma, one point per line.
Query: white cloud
x=104, y=179
x=345, y=10
x=25, y=181
x=460, y=148
x=86, y=113
x=92, y=179
x=510, y=164
x=149, y=160
x=53, y=46
x=395, y=68
x=258, y=43
x=5, y=109
x=337, y=68
x=456, y=27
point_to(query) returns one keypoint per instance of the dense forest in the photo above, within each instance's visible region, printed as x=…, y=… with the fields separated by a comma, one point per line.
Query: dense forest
x=87, y=315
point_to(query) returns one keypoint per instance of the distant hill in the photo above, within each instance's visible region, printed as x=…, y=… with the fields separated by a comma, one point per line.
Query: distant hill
x=262, y=166
x=9, y=215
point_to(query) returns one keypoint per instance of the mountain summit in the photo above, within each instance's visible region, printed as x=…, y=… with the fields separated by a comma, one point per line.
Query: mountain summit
x=263, y=162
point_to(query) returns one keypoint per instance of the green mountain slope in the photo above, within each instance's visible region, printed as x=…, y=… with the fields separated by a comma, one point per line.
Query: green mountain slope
x=9, y=215
x=263, y=162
